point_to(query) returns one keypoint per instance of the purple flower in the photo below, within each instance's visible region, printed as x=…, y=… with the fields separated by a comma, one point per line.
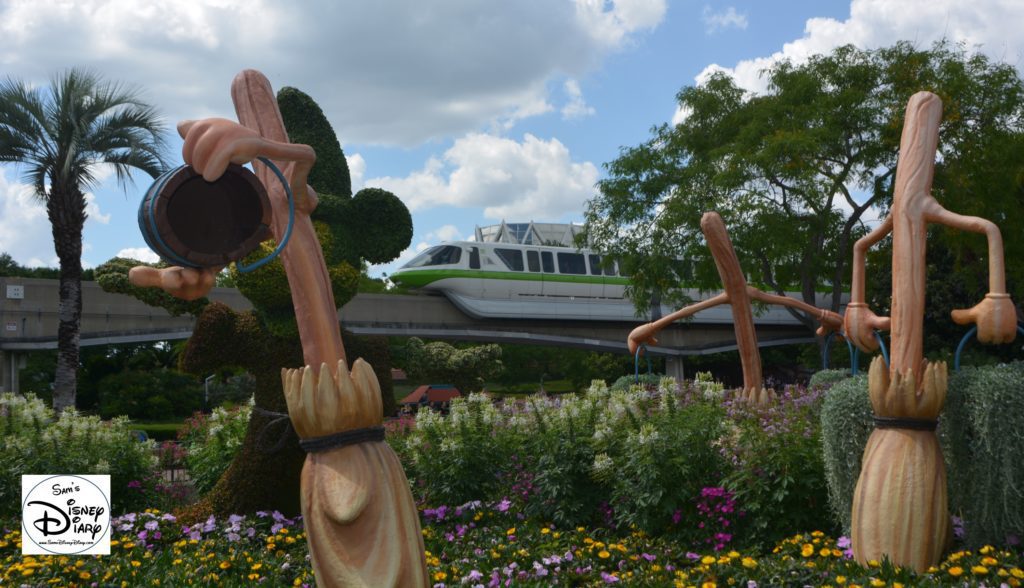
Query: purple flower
x=143, y=534
x=261, y=514
x=235, y=519
x=277, y=516
x=277, y=527
x=474, y=576
x=152, y=525
x=250, y=532
x=692, y=555
x=504, y=505
x=234, y=536
x=844, y=542
x=648, y=556
x=168, y=517
x=609, y=578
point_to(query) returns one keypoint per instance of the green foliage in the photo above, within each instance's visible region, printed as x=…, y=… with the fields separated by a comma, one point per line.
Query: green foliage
x=33, y=442
x=150, y=395
x=307, y=125
x=982, y=430
x=440, y=363
x=657, y=465
x=382, y=225
x=626, y=382
x=827, y=378
x=12, y=269
x=212, y=442
x=112, y=276
x=778, y=476
x=458, y=458
x=562, y=454
x=845, y=427
x=779, y=167
x=232, y=390
x=377, y=352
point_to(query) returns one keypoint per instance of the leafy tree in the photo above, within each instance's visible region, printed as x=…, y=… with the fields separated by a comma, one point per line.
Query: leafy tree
x=60, y=134
x=439, y=362
x=795, y=171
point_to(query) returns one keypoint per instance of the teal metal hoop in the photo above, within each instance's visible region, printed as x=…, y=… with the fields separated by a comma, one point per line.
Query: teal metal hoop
x=636, y=363
x=963, y=342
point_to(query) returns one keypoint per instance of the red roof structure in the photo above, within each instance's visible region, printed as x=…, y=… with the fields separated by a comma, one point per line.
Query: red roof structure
x=432, y=393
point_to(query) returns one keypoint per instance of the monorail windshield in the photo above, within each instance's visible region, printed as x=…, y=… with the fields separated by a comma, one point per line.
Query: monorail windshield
x=439, y=255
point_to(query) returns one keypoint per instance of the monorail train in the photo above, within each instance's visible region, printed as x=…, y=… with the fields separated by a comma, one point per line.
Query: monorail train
x=509, y=280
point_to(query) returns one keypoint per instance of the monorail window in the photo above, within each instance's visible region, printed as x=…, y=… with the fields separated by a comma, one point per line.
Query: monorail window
x=571, y=263
x=595, y=264
x=513, y=258
x=474, y=258
x=440, y=255
x=533, y=261
x=548, y=262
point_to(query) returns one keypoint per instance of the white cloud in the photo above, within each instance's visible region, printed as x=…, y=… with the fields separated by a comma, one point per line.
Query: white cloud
x=396, y=73
x=140, y=253
x=990, y=24
x=719, y=21
x=356, y=171
x=24, y=229
x=612, y=27
x=576, y=107
x=93, y=212
x=532, y=179
x=445, y=233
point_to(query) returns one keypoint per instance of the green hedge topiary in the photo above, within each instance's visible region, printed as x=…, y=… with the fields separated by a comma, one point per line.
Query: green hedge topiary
x=825, y=378
x=982, y=436
x=845, y=428
x=982, y=431
x=648, y=380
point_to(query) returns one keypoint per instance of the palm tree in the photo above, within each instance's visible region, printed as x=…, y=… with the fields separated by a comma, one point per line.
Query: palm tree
x=59, y=135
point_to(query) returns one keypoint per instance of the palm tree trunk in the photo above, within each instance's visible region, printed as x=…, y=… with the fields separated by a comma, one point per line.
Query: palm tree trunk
x=66, y=210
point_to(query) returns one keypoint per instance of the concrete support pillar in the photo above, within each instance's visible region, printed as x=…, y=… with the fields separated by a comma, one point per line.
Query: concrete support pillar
x=10, y=363
x=674, y=367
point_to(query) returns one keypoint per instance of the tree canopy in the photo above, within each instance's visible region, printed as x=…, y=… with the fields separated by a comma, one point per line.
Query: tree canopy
x=798, y=170
x=438, y=362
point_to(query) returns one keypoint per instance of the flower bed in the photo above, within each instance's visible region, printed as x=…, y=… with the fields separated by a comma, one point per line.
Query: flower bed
x=479, y=545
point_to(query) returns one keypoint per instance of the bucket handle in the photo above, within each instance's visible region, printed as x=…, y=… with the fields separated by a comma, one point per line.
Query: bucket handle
x=287, y=232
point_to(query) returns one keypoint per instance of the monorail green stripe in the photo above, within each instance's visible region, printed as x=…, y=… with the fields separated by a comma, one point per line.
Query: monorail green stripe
x=420, y=278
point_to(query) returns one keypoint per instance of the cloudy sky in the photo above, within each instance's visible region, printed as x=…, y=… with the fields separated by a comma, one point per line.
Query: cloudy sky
x=471, y=111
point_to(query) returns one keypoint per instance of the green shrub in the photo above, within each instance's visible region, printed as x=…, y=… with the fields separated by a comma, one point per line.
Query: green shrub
x=32, y=442
x=778, y=475
x=648, y=380
x=150, y=394
x=460, y=457
x=825, y=378
x=560, y=486
x=982, y=430
x=212, y=441
x=845, y=427
x=662, y=464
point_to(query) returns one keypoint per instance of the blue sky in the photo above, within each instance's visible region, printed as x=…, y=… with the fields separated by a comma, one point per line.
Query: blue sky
x=470, y=111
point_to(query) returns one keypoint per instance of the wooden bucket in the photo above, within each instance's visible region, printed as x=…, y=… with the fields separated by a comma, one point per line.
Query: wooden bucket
x=190, y=222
